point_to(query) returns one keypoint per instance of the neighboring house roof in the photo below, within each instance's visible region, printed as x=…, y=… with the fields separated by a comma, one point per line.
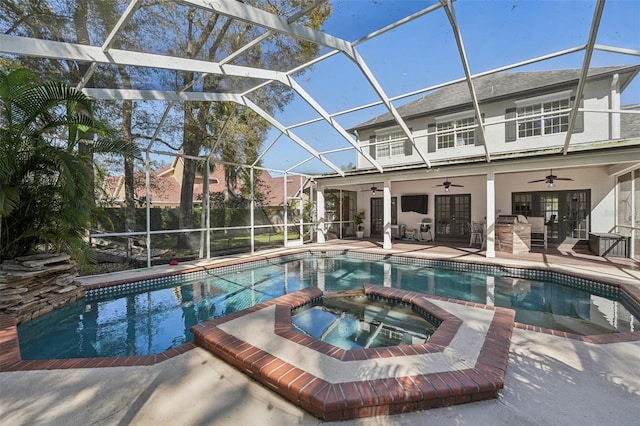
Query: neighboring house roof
x=166, y=187
x=498, y=86
x=275, y=188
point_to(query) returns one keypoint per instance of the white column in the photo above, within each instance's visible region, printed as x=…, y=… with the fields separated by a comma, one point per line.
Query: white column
x=301, y=211
x=491, y=215
x=386, y=217
x=252, y=208
x=320, y=215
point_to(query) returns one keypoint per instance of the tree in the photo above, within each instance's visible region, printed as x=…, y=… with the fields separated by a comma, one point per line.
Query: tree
x=237, y=131
x=45, y=197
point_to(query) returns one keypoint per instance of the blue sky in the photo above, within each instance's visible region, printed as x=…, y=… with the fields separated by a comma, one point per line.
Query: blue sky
x=423, y=53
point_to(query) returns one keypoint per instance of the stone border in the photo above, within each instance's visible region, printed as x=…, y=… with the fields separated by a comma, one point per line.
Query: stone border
x=374, y=396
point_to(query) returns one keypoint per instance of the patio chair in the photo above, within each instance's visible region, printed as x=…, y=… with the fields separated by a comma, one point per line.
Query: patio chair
x=538, y=231
x=425, y=228
x=477, y=234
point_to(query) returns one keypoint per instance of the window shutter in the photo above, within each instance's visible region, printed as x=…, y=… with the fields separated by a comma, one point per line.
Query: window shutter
x=579, y=125
x=408, y=146
x=478, y=136
x=431, y=140
x=372, y=148
x=510, y=134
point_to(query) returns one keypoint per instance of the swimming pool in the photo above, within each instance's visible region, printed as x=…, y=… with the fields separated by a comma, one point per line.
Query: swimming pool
x=125, y=321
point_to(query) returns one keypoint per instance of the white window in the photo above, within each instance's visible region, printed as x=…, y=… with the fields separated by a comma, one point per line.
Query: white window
x=543, y=116
x=392, y=146
x=453, y=133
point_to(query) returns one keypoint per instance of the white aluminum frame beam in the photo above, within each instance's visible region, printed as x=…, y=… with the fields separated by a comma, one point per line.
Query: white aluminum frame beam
x=441, y=85
x=327, y=117
x=448, y=7
x=79, y=52
x=593, y=33
x=240, y=11
x=124, y=19
x=134, y=94
x=359, y=61
x=255, y=16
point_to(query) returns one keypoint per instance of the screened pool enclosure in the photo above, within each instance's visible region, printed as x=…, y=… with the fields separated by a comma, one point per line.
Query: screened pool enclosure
x=244, y=111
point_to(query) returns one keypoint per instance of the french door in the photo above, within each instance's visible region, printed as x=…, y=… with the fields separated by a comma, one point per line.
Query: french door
x=452, y=216
x=566, y=213
x=377, y=214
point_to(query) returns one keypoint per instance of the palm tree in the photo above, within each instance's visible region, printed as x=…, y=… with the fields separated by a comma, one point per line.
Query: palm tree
x=46, y=193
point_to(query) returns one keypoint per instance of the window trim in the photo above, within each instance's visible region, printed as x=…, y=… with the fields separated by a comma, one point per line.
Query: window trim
x=455, y=118
x=398, y=143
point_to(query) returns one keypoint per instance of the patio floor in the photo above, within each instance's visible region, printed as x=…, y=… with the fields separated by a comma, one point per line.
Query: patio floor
x=549, y=379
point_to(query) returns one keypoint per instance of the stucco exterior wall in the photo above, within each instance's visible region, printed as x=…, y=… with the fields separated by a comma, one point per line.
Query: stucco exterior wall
x=597, y=96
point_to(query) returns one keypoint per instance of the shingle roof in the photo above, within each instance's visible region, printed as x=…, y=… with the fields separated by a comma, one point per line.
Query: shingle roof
x=630, y=123
x=491, y=88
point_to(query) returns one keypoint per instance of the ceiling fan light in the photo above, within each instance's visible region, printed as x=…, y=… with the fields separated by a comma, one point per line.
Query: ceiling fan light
x=446, y=189
x=550, y=185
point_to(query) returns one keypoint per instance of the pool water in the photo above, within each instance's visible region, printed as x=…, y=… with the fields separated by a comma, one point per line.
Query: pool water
x=153, y=321
x=361, y=323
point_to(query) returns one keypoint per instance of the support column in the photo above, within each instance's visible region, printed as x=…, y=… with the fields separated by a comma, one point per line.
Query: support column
x=386, y=193
x=252, y=208
x=491, y=215
x=320, y=216
x=285, y=218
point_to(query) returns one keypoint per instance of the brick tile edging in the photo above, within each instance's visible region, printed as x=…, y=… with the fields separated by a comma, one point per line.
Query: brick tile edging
x=341, y=401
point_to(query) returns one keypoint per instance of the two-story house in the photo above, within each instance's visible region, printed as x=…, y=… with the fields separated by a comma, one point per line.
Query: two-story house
x=527, y=157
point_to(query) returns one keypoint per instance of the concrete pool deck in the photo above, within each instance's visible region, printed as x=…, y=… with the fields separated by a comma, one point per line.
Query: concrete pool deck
x=549, y=379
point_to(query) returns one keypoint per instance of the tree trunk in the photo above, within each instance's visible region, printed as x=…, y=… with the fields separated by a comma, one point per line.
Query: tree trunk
x=191, y=145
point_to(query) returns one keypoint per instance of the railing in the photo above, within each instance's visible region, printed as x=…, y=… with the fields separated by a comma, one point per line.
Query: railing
x=220, y=239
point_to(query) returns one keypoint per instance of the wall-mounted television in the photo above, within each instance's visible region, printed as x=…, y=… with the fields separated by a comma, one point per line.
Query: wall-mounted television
x=415, y=203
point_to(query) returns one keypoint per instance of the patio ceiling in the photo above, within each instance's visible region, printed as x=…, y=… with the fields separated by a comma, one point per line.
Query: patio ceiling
x=145, y=38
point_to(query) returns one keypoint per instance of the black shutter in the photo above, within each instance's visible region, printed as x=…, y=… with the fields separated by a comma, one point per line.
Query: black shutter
x=372, y=148
x=408, y=146
x=578, y=127
x=431, y=139
x=510, y=134
x=479, y=141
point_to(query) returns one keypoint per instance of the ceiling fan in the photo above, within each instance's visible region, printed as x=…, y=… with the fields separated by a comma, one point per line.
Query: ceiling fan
x=373, y=190
x=448, y=185
x=549, y=179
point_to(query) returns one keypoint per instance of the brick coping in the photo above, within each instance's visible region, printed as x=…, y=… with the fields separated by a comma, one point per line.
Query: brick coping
x=379, y=391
